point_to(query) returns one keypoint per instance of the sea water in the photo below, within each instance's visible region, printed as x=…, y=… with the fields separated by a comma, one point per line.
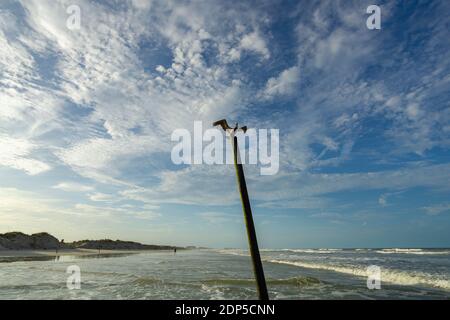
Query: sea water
x=227, y=274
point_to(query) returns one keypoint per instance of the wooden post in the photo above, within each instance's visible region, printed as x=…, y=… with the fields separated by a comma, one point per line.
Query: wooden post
x=251, y=233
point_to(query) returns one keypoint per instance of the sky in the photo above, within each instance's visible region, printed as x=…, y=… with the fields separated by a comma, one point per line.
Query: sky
x=86, y=117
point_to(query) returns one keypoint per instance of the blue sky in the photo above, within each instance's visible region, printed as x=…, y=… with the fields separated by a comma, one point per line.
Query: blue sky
x=86, y=118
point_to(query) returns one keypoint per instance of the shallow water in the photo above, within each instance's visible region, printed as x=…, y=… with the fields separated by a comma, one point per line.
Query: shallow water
x=227, y=274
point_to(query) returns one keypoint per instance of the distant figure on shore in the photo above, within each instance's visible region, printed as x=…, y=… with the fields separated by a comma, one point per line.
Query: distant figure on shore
x=174, y=251
x=58, y=245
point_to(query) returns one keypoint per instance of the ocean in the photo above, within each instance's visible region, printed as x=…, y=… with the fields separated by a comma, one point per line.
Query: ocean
x=227, y=274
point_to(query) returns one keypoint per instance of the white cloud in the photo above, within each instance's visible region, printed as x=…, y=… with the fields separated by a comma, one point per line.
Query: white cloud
x=212, y=185
x=73, y=187
x=283, y=85
x=125, y=109
x=254, y=42
x=305, y=185
x=142, y=4
x=98, y=196
x=437, y=209
x=200, y=185
x=123, y=112
x=15, y=153
x=99, y=67
x=382, y=200
x=100, y=153
x=30, y=211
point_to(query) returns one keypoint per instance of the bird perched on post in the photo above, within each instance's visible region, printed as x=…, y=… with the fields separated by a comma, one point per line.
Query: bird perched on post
x=224, y=124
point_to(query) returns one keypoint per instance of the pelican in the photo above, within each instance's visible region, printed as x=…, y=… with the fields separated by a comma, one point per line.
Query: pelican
x=224, y=124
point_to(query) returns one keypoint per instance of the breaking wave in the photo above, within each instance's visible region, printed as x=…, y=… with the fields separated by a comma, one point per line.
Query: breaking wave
x=320, y=251
x=392, y=276
x=413, y=251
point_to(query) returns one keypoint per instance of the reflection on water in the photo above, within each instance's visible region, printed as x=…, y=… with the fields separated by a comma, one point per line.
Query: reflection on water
x=34, y=258
x=64, y=258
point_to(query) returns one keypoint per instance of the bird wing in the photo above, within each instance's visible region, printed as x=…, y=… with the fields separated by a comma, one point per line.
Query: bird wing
x=223, y=123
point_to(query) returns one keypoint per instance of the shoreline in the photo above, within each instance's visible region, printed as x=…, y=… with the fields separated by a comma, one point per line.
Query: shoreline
x=11, y=255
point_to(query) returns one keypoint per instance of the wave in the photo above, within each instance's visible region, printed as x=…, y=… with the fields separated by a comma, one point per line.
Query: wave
x=412, y=251
x=320, y=251
x=295, y=281
x=245, y=252
x=331, y=251
x=235, y=252
x=391, y=276
x=388, y=275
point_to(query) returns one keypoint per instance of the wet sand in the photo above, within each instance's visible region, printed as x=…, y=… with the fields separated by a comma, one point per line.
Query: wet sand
x=15, y=255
